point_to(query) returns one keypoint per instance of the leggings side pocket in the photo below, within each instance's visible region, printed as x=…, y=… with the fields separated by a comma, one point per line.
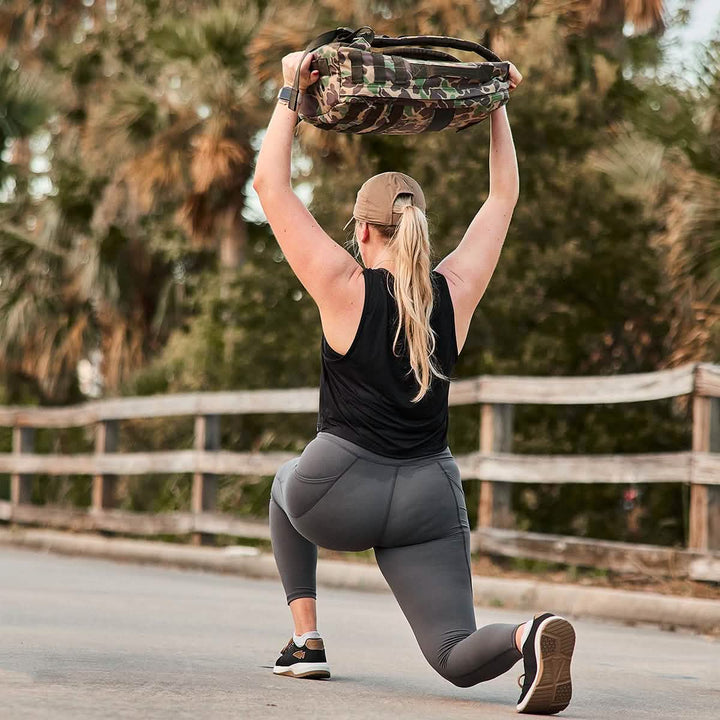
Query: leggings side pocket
x=318, y=469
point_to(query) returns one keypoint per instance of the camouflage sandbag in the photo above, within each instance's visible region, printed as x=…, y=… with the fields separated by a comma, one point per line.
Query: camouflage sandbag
x=405, y=90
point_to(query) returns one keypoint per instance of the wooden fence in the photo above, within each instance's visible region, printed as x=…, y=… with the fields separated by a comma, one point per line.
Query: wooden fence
x=495, y=466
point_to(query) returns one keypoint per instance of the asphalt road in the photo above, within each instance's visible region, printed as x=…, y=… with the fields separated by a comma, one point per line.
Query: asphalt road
x=83, y=638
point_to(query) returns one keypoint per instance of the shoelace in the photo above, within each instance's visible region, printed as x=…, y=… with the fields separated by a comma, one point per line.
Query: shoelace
x=519, y=681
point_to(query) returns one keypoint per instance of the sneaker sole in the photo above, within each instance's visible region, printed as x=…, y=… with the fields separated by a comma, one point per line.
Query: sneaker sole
x=552, y=688
x=310, y=671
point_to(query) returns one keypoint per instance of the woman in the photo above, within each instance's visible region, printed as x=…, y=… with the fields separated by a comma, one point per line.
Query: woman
x=379, y=473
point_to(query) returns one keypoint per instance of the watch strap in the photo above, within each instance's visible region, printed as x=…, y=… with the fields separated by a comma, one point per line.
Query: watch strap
x=289, y=95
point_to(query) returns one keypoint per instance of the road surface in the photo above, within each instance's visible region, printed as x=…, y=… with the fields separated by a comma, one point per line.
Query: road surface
x=83, y=638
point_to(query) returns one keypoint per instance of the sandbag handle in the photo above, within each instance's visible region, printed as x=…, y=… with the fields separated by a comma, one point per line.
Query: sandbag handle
x=380, y=41
x=418, y=53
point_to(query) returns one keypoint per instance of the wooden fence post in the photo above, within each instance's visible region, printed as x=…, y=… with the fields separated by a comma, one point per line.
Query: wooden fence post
x=704, y=521
x=496, y=432
x=23, y=441
x=204, y=488
x=103, y=488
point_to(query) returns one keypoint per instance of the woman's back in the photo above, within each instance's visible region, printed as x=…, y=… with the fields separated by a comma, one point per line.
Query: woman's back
x=366, y=394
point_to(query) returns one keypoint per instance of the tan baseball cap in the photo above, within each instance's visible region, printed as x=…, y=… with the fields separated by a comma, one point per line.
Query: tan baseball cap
x=375, y=199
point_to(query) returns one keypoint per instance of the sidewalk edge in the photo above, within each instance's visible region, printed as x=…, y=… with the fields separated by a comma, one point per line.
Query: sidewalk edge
x=667, y=611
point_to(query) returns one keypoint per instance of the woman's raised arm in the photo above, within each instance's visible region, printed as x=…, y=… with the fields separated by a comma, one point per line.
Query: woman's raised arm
x=321, y=265
x=470, y=266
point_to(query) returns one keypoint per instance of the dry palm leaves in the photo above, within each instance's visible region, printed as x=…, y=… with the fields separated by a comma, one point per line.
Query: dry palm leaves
x=668, y=186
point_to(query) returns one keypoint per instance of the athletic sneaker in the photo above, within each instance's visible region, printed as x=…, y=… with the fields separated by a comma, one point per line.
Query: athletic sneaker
x=547, y=652
x=307, y=661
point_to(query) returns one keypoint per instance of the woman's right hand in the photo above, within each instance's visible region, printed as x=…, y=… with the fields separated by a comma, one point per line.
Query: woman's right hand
x=514, y=76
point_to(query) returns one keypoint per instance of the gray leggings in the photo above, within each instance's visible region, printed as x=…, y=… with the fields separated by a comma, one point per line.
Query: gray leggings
x=412, y=512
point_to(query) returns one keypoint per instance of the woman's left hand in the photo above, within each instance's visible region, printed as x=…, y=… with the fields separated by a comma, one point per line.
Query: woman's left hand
x=289, y=67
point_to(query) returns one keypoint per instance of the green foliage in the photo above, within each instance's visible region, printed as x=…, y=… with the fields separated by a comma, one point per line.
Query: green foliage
x=260, y=331
x=150, y=121
x=222, y=30
x=23, y=104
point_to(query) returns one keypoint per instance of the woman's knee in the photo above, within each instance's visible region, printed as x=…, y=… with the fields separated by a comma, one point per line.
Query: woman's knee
x=462, y=681
x=442, y=655
x=440, y=665
x=449, y=673
x=472, y=666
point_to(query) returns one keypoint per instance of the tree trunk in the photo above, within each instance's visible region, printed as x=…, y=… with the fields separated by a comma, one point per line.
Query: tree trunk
x=233, y=241
x=233, y=238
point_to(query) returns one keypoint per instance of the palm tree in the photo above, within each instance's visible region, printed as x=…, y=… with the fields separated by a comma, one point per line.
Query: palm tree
x=66, y=291
x=178, y=107
x=59, y=291
x=151, y=144
x=671, y=186
x=177, y=115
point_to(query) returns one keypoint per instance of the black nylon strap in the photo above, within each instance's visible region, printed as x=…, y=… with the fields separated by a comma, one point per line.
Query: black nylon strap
x=441, y=119
x=356, y=66
x=381, y=41
x=380, y=69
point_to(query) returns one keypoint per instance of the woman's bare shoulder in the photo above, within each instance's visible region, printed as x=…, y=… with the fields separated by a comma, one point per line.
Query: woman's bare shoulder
x=342, y=309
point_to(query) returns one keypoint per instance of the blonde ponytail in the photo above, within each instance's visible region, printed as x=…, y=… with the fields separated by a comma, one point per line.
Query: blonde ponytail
x=409, y=245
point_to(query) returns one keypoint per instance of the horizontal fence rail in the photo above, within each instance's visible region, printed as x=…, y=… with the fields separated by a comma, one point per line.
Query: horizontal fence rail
x=610, y=389
x=618, y=556
x=498, y=467
x=134, y=523
x=640, y=387
x=495, y=465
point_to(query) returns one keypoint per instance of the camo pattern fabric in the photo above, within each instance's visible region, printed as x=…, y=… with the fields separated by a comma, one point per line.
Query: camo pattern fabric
x=360, y=91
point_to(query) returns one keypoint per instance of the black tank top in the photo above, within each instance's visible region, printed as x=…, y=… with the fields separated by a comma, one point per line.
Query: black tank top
x=366, y=395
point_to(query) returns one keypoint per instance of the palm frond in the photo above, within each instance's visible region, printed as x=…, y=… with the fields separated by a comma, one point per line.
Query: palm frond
x=214, y=160
x=578, y=16
x=223, y=30
x=23, y=21
x=646, y=14
x=284, y=29
x=634, y=161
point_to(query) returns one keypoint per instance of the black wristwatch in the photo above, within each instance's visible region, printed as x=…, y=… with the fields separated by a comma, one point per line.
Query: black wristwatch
x=286, y=94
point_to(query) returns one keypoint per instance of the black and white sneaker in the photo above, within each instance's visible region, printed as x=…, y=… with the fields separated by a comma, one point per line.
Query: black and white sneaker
x=307, y=661
x=547, y=653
